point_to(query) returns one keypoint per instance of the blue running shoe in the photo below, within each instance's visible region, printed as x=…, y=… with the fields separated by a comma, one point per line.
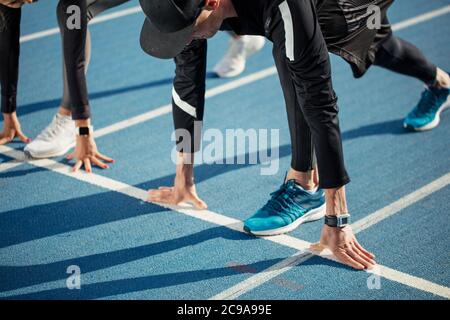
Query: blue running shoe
x=426, y=115
x=288, y=207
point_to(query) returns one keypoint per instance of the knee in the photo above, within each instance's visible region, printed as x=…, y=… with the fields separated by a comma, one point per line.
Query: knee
x=389, y=50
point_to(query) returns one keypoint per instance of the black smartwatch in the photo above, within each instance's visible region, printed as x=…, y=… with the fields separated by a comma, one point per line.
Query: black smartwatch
x=85, y=131
x=337, y=221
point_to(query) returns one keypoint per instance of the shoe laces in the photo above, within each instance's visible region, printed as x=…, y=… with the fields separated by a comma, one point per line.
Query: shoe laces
x=282, y=200
x=54, y=128
x=428, y=102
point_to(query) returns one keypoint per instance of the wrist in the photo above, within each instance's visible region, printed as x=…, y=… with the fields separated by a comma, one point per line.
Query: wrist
x=185, y=169
x=84, y=128
x=83, y=123
x=185, y=173
x=339, y=221
x=337, y=213
x=9, y=118
x=8, y=115
x=336, y=203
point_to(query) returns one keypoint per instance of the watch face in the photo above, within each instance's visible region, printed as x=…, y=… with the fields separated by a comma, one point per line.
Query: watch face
x=84, y=131
x=343, y=221
x=337, y=221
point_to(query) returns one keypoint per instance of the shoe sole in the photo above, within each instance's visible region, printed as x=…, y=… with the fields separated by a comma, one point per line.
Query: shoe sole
x=433, y=124
x=48, y=155
x=313, y=215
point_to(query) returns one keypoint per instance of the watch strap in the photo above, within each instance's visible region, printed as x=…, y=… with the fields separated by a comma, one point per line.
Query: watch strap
x=339, y=221
x=85, y=130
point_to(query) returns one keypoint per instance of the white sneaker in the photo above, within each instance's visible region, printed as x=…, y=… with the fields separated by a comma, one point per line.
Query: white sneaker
x=55, y=140
x=233, y=63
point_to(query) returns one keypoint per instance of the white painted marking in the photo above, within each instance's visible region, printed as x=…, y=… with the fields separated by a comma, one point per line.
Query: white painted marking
x=102, y=18
x=401, y=203
x=9, y=165
x=370, y=220
x=209, y=216
x=262, y=277
x=421, y=18
x=234, y=224
x=160, y=111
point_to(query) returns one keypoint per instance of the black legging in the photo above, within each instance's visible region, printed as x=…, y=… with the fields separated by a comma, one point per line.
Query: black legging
x=94, y=7
x=393, y=54
x=74, y=43
x=400, y=56
x=9, y=56
x=76, y=48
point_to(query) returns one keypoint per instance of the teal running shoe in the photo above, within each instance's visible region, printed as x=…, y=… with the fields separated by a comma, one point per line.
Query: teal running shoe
x=426, y=115
x=287, y=208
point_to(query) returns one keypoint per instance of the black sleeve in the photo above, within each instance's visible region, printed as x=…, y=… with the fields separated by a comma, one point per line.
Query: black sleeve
x=74, y=42
x=9, y=56
x=188, y=95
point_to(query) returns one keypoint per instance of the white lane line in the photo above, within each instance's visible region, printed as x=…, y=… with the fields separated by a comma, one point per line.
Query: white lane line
x=234, y=224
x=362, y=224
x=102, y=18
x=12, y=153
x=417, y=282
x=38, y=35
x=10, y=164
x=160, y=111
x=262, y=277
x=168, y=108
x=421, y=18
x=123, y=188
x=401, y=203
x=287, y=264
x=17, y=159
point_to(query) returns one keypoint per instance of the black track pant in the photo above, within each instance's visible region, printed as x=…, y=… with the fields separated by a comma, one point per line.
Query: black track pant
x=303, y=64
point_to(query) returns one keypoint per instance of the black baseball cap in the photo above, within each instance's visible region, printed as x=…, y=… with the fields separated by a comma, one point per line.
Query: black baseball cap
x=168, y=25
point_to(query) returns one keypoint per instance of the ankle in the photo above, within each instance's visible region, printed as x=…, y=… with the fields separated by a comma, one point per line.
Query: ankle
x=442, y=79
x=304, y=179
x=64, y=111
